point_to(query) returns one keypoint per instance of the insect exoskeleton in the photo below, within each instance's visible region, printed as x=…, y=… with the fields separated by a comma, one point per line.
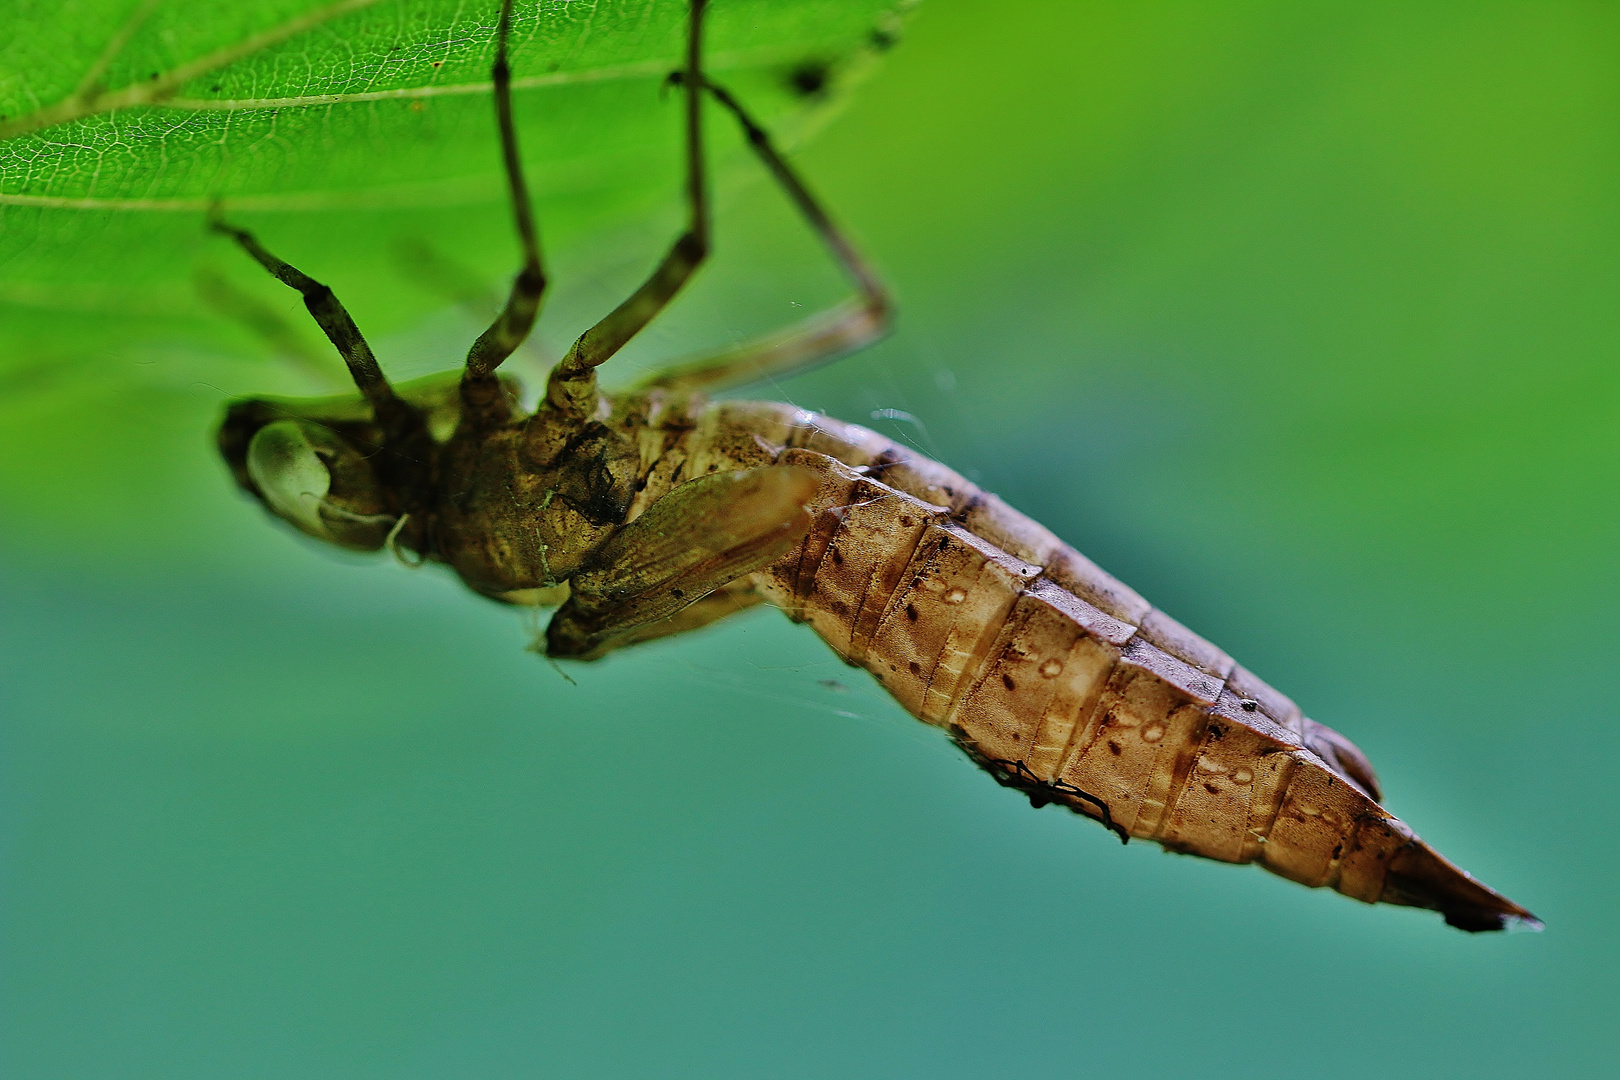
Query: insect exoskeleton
x=312, y=477
x=657, y=512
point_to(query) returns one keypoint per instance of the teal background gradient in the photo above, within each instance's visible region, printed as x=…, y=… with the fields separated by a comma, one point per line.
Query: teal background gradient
x=1299, y=318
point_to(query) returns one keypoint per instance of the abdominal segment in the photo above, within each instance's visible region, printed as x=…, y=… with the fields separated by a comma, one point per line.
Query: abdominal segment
x=1064, y=683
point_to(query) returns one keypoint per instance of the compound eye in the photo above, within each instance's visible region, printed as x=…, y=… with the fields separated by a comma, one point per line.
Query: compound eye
x=290, y=474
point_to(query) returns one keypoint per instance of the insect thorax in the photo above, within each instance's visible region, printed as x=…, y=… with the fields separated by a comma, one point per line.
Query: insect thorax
x=506, y=521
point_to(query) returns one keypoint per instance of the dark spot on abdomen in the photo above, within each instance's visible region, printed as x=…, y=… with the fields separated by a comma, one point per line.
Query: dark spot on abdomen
x=883, y=463
x=967, y=508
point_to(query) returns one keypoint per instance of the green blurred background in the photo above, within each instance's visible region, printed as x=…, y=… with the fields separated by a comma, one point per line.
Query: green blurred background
x=1299, y=318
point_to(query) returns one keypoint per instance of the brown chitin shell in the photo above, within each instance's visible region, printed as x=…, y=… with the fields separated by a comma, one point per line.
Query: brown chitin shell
x=1062, y=681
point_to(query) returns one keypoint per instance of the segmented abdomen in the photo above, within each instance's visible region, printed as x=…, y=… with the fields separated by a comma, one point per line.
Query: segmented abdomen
x=1064, y=682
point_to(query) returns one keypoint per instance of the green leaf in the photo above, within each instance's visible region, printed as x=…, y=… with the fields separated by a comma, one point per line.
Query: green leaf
x=357, y=138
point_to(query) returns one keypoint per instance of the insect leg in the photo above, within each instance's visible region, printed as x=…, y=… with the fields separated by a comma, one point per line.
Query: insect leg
x=844, y=328
x=265, y=323
x=391, y=413
x=572, y=387
x=702, y=535
x=513, y=324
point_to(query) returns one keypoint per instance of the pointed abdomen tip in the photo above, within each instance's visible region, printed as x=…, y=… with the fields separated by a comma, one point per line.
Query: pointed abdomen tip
x=1420, y=877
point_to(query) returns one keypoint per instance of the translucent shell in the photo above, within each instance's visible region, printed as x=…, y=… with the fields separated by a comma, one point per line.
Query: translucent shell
x=290, y=474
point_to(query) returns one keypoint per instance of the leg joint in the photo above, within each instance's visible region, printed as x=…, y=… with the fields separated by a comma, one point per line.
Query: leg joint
x=693, y=247
x=531, y=279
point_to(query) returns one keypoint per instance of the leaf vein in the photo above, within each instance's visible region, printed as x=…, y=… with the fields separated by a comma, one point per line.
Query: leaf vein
x=88, y=101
